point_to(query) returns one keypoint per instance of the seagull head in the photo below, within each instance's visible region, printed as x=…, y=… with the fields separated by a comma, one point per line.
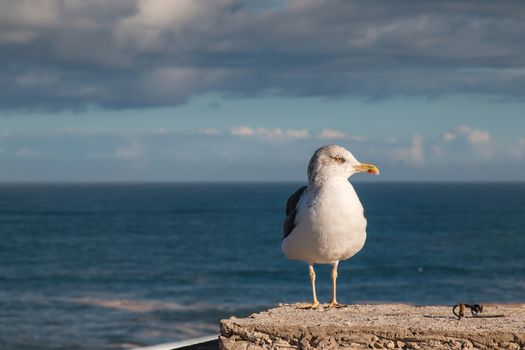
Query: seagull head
x=334, y=160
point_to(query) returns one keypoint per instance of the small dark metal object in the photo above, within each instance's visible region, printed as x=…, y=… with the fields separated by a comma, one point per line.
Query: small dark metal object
x=475, y=309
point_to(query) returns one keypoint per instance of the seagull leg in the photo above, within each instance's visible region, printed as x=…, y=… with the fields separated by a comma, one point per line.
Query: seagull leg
x=312, y=279
x=334, y=302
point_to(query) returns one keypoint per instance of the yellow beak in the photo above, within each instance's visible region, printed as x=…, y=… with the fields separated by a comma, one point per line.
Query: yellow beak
x=367, y=168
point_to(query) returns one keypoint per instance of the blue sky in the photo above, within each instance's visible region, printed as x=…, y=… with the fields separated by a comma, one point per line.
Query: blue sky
x=152, y=90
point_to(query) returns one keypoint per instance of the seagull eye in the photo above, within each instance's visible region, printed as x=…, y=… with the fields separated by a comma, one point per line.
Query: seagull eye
x=339, y=159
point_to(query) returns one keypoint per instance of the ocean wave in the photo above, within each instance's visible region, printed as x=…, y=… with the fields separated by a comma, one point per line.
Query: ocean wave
x=144, y=306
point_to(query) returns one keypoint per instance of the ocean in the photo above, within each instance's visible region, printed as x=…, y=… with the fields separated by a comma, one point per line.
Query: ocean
x=115, y=266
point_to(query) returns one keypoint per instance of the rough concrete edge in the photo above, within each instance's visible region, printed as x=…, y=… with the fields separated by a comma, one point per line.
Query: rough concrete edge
x=266, y=336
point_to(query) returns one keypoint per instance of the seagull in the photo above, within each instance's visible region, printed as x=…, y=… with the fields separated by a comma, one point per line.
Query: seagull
x=325, y=221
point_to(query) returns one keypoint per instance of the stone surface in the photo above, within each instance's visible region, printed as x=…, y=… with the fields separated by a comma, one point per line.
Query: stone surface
x=376, y=327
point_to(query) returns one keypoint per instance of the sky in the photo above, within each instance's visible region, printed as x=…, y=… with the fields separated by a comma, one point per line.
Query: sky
x=231, y=90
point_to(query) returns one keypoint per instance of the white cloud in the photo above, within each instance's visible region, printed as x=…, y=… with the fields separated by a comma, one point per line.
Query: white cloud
x=270, y=134
x=332, y=134
x=210, y=132
x=448, y=136
x=157, y=22
x=416, y=150
x=472, y=135
x=517, y=150
x=413, y=154
x=243, y=131
x=480, y=141
x=298, y=134
x=478, y=136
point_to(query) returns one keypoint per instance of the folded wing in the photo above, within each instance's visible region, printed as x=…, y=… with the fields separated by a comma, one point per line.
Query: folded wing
x=291, y=211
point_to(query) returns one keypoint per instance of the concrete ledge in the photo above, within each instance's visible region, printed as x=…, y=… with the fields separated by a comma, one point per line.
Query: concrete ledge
x=377, y=327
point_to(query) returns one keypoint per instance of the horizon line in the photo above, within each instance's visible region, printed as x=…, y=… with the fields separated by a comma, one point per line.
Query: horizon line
x=175, y=182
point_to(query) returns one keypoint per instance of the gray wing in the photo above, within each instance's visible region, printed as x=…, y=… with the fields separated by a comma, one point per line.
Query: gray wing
x=291, y=211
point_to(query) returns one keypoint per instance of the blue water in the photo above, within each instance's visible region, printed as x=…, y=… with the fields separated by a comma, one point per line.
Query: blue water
x=117, y=266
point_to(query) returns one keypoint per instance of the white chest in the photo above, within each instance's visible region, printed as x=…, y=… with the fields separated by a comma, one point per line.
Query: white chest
x=335, y=209
x=330, y=225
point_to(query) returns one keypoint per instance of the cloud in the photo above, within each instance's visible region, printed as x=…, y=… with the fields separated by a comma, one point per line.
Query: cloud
x=210, y=132
x=477, y=140
x=123, y=54
x=156, y=23
x=246, y=153
x=270, y=134
x=298, y=134
x=448, y=136
x=132, y=148
x=243, y=131
x=517, y=149
x=332, y=134
x=473, y=136
x=478, y=136
x=413, y=154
